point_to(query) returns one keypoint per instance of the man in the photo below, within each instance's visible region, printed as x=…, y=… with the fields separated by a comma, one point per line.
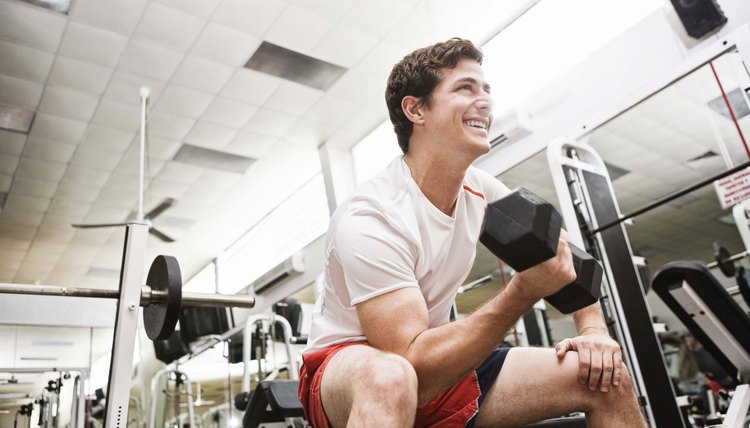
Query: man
x=382, y=350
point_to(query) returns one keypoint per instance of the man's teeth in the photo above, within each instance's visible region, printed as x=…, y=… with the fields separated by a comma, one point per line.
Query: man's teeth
x=476, y=124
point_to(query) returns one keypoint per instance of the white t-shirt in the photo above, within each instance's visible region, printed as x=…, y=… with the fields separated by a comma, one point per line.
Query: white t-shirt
x=388, y=236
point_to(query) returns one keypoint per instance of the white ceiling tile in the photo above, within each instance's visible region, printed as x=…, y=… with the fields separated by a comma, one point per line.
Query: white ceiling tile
x=309, y=29
x=251, y=144
x=210, y=136
x=130, y=164
x=180, y=172
x=81, y=75
x=27, y=63
x=15, y=243
x=251, y=86
x=34, y=204
x=5, y=182
x=162, y=148
x=169, y=27
x=251, y=16
x=309, y=133
x=33, y=187
x=11, y=143
x=225, y=45
x=31, y=26
x=59, y=101
x=203, y=75
x=117, y=115
x=168, y=125
x=55, y=236
x=294, y=98
x=147, y=59
x=332, y=9
x=18, y=232
x=167, y=189
x=121, y=200
x=126, y=88
x=21, y=218
x=380, y=60
x=332, y=111
x=8, y=164
x=202, y=8
x=346, y=139
x=228, y=112
x=270, y=122
x=92, y=44
x=344, y=46
x=48, y=150
x=85, y=176
x=376, y=18
x=183, y=101
x=99, y=214
x=122, y=183
x=41, y=170
x=356, y=85
x=19, y=92
x=108, y=138
x=120, y=16
x=367, y=118
x=95, y=158
x=76, y=192
x=216, y=180
x=57, y=128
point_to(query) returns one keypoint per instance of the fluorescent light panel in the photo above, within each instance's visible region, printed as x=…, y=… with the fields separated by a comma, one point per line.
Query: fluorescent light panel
x=16, y=119
x=61, y=6
x=215, y=159
x=294, y=66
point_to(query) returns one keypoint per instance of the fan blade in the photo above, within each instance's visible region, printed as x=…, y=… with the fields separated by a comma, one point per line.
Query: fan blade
x=160, y=235
x=166, y=203
x=91, y=226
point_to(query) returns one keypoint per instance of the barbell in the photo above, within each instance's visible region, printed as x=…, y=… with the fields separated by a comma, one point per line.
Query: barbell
x=162, y=297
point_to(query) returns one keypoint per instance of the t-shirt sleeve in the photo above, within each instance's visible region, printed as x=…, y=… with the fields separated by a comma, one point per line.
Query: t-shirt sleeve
x=375, y=257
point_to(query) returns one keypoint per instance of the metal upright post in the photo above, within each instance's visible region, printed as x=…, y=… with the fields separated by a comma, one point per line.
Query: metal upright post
x=126, y=325
x=587, y=202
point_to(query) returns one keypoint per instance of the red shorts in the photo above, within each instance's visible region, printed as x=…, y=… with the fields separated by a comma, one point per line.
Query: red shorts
x=456, y=407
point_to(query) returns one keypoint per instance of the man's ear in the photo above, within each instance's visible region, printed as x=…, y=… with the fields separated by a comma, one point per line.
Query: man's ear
x=412, y=107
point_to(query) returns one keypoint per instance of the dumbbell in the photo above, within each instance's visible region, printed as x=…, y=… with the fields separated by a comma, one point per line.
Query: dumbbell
x=523, y=230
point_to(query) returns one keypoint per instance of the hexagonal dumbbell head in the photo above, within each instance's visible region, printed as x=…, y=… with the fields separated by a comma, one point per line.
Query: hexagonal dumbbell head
x=585, y=290
x=521, y=229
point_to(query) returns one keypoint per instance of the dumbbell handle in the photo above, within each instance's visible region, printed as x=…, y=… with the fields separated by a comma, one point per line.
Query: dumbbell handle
x=148, y=295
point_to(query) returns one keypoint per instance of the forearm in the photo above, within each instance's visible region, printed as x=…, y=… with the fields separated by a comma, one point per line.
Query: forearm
x=590, y=318
x=443, y=355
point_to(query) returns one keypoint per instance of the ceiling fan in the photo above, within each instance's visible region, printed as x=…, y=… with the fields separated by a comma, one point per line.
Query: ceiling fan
x=140, y=217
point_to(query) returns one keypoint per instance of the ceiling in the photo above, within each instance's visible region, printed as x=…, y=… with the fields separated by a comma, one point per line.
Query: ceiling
x=81, y=73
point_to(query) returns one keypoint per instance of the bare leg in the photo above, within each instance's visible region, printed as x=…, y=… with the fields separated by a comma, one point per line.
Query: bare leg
x=534, y=385
x=364, y=387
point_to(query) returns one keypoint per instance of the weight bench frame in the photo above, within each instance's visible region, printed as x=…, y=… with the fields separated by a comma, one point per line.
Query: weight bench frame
x=715, y=319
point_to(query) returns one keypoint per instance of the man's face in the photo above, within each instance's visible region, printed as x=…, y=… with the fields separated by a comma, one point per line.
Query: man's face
x=461, y=110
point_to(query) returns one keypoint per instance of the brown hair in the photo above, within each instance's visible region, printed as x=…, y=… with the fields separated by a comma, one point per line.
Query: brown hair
x=417, y=74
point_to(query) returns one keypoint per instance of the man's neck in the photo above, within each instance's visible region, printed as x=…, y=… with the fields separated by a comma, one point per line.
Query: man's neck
x=439, y=179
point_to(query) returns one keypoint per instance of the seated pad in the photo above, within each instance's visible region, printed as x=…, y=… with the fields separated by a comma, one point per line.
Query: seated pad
x=272, y=401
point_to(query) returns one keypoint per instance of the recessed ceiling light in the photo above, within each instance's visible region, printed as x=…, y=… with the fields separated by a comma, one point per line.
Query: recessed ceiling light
x=62, y=6
x=736, y=99
x=294, y=66
x=16, y=119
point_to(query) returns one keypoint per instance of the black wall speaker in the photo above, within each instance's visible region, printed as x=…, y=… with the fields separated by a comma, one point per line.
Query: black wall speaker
x=699, y=17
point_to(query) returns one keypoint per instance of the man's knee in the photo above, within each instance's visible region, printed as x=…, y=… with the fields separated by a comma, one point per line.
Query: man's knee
x=389, y=375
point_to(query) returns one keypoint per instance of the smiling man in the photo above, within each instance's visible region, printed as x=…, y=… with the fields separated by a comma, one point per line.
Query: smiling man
x=382, y=350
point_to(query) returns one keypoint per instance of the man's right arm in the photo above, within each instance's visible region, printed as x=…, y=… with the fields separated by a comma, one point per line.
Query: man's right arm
x=397, y=322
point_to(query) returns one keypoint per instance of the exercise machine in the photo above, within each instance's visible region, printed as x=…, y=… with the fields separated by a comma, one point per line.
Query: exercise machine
x=717, y=321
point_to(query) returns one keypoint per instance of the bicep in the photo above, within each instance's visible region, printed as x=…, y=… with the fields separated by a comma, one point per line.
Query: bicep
x=393, y=320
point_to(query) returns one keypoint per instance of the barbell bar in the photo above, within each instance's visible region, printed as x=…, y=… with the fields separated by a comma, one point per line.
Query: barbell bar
x=162, y=297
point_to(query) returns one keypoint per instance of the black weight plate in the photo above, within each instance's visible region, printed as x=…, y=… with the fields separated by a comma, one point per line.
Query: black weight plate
x=160, y=318
x=726, y=266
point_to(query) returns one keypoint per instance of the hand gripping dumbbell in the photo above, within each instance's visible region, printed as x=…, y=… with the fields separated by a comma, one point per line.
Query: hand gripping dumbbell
x=523, y=230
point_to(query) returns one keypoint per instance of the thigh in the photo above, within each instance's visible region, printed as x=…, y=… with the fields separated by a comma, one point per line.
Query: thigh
x=533, y=385
x=342, y=380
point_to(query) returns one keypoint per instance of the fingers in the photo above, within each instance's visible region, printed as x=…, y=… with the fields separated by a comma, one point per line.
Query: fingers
x=563, y=347
x=617, y=373
x=595, y=371
x=584, y=365
x=607, y=369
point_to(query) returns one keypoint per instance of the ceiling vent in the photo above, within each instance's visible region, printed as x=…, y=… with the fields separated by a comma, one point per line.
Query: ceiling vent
x=737, y=99
x=511, y=125
x=16, y=119
x=707, y=155
x=294, y=66
x=199, y=156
